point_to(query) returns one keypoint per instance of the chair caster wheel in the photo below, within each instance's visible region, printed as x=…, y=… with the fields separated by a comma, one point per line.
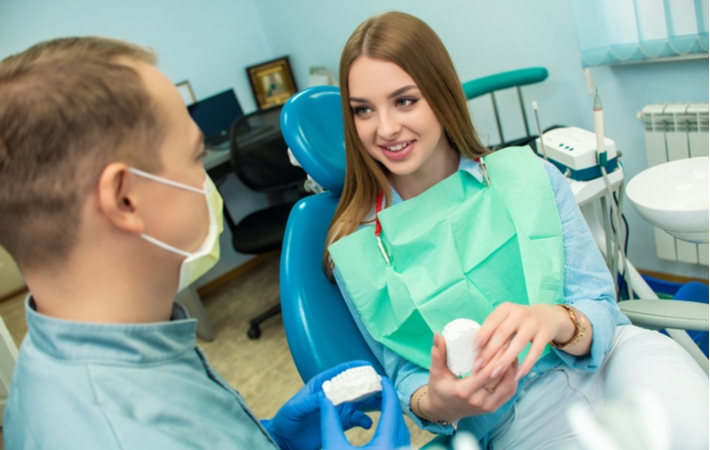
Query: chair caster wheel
x=254, y=332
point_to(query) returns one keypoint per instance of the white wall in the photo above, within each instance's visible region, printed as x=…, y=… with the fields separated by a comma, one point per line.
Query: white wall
x=209, y=43
x=485, y=37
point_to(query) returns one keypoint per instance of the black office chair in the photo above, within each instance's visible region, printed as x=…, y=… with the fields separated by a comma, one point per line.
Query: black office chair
x=260, y=160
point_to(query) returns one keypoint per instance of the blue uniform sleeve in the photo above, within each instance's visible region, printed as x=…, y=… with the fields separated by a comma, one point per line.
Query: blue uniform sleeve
x=406, y=376
x=588, y=283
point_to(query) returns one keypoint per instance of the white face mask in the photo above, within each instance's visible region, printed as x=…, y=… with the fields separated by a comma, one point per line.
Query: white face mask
x=206, y=256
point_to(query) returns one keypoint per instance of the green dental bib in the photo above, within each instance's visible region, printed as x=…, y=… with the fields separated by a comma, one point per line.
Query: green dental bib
x=458, y=250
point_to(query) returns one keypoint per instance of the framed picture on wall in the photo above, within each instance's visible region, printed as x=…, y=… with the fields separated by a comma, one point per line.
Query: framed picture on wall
x=272, y=82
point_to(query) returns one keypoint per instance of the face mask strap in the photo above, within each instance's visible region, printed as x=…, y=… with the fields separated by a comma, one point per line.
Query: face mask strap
x=165, y=246
x=188, y=270
x=150, y=176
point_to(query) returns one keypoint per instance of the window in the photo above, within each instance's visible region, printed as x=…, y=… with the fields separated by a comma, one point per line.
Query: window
x=617, y=31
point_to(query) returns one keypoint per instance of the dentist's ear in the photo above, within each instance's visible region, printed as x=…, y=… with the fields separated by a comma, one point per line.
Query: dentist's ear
x=118, y=199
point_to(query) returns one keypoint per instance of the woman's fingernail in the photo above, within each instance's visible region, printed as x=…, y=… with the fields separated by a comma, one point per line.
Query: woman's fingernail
x=476, y=345
x=477, y=364
x=497, y=371
x=436, y=340
x=518, y=375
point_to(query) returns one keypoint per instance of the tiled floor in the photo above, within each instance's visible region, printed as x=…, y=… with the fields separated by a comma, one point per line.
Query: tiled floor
x=261, y=370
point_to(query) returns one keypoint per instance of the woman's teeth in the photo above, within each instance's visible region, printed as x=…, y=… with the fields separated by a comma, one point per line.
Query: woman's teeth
x=399, y=147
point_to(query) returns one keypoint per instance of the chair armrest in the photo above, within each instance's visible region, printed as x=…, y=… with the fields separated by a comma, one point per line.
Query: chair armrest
x=658, y=314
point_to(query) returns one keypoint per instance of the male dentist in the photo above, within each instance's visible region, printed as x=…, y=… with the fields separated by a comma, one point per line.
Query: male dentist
x=106, y=208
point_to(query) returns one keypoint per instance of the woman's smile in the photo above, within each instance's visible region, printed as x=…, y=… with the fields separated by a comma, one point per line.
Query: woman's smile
x=398, y=150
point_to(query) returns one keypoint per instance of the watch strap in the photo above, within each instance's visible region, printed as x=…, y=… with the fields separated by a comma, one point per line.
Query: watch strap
x=579, y=330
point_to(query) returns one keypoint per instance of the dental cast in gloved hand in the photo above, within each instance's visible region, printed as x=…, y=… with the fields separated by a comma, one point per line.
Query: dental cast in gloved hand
x=392, y=432
x=297, y=425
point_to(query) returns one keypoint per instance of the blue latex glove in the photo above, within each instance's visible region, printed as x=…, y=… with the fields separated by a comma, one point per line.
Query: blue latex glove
x=297, y=424
x=392, y=433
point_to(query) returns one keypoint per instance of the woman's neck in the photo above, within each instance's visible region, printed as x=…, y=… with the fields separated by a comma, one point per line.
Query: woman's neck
x=410, y=185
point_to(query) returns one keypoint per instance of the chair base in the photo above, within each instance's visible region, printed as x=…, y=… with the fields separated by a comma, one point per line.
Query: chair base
x=254, y=332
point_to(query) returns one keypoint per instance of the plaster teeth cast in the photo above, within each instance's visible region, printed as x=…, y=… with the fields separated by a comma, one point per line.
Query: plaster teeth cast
x=458, y=335
x=353, y=385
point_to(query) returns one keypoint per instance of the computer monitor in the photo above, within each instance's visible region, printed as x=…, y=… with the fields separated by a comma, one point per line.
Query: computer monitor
x=214, y=115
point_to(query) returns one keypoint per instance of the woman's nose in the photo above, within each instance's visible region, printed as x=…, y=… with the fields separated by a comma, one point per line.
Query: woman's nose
x=388, y=127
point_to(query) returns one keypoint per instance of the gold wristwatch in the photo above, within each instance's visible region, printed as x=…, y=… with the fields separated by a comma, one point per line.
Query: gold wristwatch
x=580, y=329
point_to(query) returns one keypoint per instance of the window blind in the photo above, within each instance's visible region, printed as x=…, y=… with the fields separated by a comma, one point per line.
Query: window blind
x=616, y=31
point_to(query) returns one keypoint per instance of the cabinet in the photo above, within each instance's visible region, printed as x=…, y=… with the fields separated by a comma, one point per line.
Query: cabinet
x=10, y=277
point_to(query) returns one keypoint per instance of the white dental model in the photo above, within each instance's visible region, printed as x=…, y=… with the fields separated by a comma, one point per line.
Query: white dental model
x=459, y=335
x=353, y=385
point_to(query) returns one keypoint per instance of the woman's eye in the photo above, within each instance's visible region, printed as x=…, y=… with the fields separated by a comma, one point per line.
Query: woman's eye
x=360, y=110
x=407, y=101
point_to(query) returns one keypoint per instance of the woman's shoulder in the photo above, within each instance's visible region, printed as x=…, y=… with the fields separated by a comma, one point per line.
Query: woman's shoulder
x=369, y=218
x=557, y=180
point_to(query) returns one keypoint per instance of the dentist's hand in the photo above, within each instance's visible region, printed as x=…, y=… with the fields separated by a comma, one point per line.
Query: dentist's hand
x=297, y=425
x=391, y=433
x=450, y=398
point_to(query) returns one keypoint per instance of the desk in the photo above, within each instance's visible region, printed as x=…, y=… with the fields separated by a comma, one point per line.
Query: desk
x=218, y=163
x=190, y=299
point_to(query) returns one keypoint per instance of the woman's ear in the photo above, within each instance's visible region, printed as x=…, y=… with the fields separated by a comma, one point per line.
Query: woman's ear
x=118, y=199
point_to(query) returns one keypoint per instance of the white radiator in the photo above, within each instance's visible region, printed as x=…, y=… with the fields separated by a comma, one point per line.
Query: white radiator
x=676, y=131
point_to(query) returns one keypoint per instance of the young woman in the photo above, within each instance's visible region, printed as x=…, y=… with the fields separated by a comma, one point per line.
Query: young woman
x=431, y=227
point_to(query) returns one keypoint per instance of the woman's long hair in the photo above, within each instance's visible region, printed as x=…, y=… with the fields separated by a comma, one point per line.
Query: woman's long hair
x=412, y=45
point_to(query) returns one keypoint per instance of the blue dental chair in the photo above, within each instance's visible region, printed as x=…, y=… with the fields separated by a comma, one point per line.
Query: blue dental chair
x=320, y=330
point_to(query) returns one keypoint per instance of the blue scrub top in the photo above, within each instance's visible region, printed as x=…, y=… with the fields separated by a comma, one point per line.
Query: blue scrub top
x=83, y=385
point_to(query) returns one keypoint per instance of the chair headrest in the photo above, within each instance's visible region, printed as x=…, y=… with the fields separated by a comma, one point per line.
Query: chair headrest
x=312, y=126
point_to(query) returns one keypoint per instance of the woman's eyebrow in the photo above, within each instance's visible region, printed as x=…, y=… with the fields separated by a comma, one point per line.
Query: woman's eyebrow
x=399, y=91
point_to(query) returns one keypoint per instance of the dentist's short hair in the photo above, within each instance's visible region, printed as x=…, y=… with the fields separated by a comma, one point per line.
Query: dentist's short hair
x=68, y=107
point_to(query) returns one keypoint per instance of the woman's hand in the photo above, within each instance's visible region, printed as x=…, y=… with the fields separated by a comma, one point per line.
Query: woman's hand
x=449, y=398
x=514, y=326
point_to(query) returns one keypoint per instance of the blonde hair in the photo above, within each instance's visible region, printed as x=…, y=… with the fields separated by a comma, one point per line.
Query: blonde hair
x=68, y=107
x=412, y=45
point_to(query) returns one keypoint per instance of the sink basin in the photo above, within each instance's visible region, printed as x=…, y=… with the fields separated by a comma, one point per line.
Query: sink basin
x=674, y=197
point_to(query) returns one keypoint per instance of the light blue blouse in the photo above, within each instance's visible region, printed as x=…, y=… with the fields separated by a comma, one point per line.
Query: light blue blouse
x=588, y=286
x=122, y=386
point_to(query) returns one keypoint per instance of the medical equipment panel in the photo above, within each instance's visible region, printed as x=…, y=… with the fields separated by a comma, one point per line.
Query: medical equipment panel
x=574, y=151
